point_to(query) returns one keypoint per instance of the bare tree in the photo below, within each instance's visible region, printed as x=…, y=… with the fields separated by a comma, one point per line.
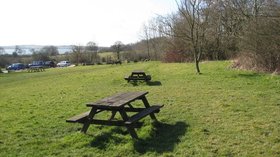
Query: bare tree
x=189, y=26
x=117, y=47
x=155, y=38
x=91, y=49
x=192, y=12
x=18, y=50
x=2, y=51
x=146, y=36
x=50, y=50
x=77, y=53
x=37, y=55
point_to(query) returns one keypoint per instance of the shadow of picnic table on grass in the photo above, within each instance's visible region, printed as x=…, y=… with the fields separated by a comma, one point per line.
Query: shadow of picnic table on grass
x=163, y=138
x=101, y=141
x=249, y=76
x=154, y=83
x=149, y=83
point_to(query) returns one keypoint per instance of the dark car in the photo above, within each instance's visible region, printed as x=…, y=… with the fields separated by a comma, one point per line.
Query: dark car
x=46, y=64
x=50, y=64
x=16, y=66
x=37, y=63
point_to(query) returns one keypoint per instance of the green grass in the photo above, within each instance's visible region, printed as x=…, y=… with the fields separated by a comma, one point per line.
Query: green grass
x=222, y=112
x=107, y=54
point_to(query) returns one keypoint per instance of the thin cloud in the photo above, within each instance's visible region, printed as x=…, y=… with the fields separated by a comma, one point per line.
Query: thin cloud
x=60, y=22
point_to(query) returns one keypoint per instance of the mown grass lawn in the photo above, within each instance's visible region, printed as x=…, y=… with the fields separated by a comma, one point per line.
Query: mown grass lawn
x=222, y=112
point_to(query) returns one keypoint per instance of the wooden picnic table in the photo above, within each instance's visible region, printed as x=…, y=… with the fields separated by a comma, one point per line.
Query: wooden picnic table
x=121, y=103
x=138, y=75
x=36, y=69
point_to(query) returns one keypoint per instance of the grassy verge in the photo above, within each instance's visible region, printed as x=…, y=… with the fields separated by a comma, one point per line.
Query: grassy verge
x=222, y=112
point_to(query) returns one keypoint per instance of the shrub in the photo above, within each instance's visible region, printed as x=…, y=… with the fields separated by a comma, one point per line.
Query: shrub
x=252, y=61
x=175, y=56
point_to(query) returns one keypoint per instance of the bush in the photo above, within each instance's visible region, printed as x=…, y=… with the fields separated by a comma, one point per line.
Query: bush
x=252, y=61
x=244, y=61
x=175, y=56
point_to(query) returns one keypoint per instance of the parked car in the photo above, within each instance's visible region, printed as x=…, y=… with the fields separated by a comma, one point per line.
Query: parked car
x=50, y=64
x=16, y=66
x=36, y=63
x=46, y=64
x=63, y=64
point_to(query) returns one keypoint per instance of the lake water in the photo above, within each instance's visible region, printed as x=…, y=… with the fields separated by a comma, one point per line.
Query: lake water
x=27, y=50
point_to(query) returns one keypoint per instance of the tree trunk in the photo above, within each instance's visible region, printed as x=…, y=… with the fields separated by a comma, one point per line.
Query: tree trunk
x=196, y=60
x=148, y=48
x=118, y=53
x=197, y=66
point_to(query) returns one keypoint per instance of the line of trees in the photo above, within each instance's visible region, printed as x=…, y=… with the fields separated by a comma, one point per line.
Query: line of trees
x=247, y=30
x=78, y=54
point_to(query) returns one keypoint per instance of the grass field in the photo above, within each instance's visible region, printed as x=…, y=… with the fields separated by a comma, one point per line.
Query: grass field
x=222, y=112
x=107, y=54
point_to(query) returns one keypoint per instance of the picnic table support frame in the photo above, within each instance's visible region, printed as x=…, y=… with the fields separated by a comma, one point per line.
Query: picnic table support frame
x=130, y=129
x=147, y=105
x=89, y=118
x=113, y=115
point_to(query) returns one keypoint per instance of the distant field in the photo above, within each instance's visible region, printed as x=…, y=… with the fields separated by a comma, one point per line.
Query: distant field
x=222, y=112
x=107, y=54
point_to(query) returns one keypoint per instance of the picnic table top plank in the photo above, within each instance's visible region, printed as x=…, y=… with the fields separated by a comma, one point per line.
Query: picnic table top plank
x=138, y=72
x=117, y=100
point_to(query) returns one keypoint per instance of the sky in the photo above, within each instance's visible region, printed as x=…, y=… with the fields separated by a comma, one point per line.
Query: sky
x=76, y=22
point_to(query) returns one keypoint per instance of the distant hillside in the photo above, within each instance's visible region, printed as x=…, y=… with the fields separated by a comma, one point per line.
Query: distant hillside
x=61, y=48
x=26, y=48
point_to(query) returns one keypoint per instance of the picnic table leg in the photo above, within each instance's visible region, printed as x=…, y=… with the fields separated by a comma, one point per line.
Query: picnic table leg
x=130, y=105
x=88, y=121
x=113, y=115
x=129, y=127
x=129, y=77
x=147, y=105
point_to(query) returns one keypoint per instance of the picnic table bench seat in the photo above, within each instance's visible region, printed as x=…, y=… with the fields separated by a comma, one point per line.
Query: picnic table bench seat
x=78, y=118
x=143, y=113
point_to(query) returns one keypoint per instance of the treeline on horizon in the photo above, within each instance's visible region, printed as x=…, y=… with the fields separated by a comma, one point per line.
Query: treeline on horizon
x=247, y=32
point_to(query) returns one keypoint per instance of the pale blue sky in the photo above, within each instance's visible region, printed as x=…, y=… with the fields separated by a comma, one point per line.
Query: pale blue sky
x=59, y=22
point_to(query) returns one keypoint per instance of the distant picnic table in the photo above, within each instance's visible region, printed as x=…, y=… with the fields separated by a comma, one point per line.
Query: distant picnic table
x=36, y=69
x=138, y=75
x=121, y=103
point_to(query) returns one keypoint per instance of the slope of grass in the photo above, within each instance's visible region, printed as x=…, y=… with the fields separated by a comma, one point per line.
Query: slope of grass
x=222, y=112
